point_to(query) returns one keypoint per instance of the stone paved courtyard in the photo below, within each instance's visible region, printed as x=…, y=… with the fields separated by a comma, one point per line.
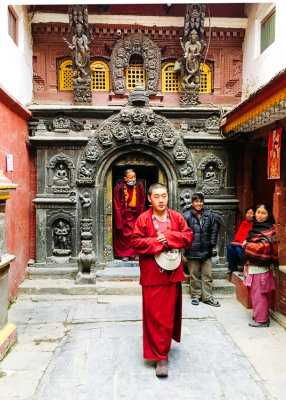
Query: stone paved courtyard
x=91, y=348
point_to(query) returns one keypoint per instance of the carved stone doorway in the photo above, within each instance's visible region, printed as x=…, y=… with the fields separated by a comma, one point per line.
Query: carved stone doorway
x=147, y=169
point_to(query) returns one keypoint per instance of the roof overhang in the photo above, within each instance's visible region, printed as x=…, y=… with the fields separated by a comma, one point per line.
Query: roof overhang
x=263, y=107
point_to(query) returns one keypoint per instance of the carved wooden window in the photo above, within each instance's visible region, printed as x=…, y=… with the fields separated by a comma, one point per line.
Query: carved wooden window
x=66, y=76
x=13, y=24
x=170, y=79
x=99, y=76
x=268, y=31
x=205, y=79
x=135, y=71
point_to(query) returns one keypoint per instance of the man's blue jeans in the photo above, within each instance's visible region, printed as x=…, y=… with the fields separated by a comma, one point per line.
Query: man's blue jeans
x=234, y=257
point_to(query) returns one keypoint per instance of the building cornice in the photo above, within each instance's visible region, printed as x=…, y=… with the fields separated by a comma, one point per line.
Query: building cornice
x=263, y=107
x=110, y=31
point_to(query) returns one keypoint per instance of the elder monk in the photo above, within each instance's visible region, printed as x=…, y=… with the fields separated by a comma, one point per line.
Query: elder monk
x=129, y=203
x=159, y=236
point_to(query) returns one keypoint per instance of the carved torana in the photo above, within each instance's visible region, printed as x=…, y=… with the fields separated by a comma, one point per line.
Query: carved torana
x=123, y=50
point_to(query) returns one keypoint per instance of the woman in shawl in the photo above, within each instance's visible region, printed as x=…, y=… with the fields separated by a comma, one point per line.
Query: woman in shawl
x=261, y=256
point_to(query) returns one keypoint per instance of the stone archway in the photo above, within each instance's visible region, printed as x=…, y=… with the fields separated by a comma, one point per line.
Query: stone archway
x=123, y=50
x=135, y=129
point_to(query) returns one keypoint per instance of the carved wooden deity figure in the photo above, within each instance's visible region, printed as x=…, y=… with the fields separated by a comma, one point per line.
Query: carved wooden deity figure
x=193, y=47
x=191, y=63
x=79, y=46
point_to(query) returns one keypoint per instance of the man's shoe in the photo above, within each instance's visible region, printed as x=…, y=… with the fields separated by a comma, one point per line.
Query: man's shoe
x=259, y=324
x=195, y=301
x=162, y=368
x=212, y=302
x=125, y=259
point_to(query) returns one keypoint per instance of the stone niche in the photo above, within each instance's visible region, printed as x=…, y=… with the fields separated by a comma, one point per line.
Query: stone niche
x=76, y=171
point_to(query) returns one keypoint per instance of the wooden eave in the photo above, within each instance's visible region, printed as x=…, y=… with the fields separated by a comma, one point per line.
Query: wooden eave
x=261, y=108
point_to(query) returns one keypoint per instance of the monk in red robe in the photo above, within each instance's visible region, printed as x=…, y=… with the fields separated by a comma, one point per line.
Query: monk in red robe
x=156, y=232
x=129, y=203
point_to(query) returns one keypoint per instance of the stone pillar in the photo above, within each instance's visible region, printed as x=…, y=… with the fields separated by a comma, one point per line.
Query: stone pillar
x=8, y=332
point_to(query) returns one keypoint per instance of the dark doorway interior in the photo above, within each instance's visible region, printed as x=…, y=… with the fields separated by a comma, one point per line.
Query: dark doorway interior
x=146, y=174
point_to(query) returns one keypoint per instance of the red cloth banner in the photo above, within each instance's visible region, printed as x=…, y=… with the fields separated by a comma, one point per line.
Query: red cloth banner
x=274, y=154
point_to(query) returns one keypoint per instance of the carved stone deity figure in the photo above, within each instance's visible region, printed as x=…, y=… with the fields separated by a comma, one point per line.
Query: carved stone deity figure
x=85, y=202
x=86, y=263
x=211, y=176
x=61, y=176
x=61, y=234
x=80, y=53
x=193, y=47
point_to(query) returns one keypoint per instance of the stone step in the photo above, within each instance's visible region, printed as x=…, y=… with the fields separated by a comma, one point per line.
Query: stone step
x=63, y=272
x=55, y=286
x=120, y=264
x=221, y=287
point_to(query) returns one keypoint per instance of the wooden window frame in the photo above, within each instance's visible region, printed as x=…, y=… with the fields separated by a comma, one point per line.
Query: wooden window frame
x=261, y=24
x=67, y=61
x=15, y=16
x=106, y=75
x=209, y=78
x=164, y=79
x=128, y=87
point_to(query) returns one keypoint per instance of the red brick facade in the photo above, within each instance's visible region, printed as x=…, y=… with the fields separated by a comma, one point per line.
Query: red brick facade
x=224, y=57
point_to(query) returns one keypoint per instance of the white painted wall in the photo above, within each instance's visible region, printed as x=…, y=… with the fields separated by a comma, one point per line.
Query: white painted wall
x=16, y=67
x=259, y=68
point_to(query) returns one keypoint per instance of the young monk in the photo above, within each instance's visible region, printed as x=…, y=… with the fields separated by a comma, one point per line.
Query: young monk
x=159, y=234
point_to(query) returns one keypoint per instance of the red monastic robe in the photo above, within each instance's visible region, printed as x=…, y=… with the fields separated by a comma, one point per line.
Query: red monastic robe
x=125, y=217
x=162, y=291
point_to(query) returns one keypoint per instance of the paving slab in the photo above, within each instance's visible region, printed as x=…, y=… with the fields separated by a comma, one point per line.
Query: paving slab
x=91, y=347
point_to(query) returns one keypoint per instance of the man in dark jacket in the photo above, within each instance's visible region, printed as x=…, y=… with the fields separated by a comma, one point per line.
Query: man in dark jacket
x=205, y=229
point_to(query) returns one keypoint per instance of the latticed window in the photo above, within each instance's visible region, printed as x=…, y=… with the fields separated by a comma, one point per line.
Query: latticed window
x=205, y=79
x=99, y=76
x=135, y=71
x=66, y=76
x=170, y=79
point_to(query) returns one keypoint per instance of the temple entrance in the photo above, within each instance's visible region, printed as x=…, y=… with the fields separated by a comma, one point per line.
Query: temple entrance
x=148, y=171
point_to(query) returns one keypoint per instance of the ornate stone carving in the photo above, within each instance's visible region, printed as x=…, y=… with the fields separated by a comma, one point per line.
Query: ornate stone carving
x=85, y=173
x=78, y=16
x=86, y=264
x=138, y=96
x=193, y=46
x=61, y=238
x=123, y=50
x=61, y=124
x=85, y=203
x=212, y=124
x=169, y=139
x=108, y=253
x=136, y=125
x=120, y=132
x=186, y=199
x=187, y=174
x=92, y=153
x=61, y=173
x=105, y=138
x=188, y=170
x=212, y=171
x=154, y=134
x=180, y=153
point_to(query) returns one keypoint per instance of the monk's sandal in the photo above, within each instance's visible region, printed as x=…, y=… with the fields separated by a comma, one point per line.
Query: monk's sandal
x=162, y=368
